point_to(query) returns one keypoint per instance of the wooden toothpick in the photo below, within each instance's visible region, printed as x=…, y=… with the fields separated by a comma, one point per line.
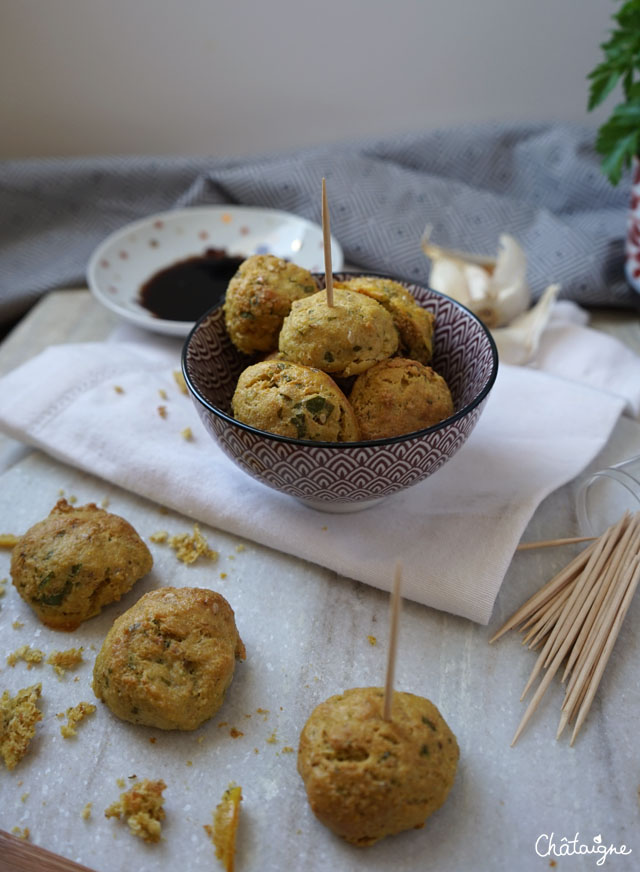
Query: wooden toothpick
x=549, y=543
x=393, y=642
x=326, y=235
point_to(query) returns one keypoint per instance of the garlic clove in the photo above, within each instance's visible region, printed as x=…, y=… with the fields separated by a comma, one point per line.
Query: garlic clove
x=447, y=276
x=518, y=343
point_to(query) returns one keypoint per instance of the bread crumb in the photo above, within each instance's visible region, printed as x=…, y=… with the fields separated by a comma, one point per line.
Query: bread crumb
x=73, y=499
x=121, y=783
x=75, y=715
x=159, y=537
x=225, y=826
x=30, y=655
x=189, y=547
x=287, y=749
x=118, y=389
x=187, y=434
x=262, y=711
x=17, y=624
x=162, y=393
x=162, y=411
x=105, y=502
x=8, y=540
x=141, y=807
x=3, y=586
x=18, y=718
x=63, y=660
x=189, y=763
x=272, y=739
x=179, y=379
x=21, y=834
x=200, y=740
x=240, y=548
x=153, y=740
x=372, y=640
x=24, y=797
x=85, y=814
x=223, y=575
x=235, y=733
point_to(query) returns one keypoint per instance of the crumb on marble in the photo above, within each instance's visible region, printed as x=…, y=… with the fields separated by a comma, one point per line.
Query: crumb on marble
x=105, y=503
x=162, y=394
x=235, y=733
x=142, y=808
x=23, y=834
x=287, y=749
x=3, y=586
x=372, y=640
x=187, y=434
x=223, y=575
x=31, y=656
x=153, y=740
x=224, y=827
x=75, y=715
x=73, y=499
x=121, y=783
x=272, y=740
x=190, y=546
x=118, y=389
x=24, y=797
x=162, y=411
x=240, y=548
x=85, y=814
x=18, y=718
x=63, y=660
x=179, y=380
x=189, y=763
x=17, y=625
x=8, y=540
x=159, y=537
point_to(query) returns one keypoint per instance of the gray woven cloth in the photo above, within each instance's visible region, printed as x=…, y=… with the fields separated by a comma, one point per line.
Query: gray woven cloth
x=539, y=182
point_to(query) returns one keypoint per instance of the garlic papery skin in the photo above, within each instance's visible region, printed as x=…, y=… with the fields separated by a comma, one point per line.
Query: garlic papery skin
x=495, y=289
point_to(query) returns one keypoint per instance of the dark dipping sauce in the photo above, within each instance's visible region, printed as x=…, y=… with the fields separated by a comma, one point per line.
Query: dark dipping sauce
x=187, y=289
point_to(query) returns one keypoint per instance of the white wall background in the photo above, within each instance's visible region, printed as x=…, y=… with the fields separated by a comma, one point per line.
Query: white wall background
x=225, y=78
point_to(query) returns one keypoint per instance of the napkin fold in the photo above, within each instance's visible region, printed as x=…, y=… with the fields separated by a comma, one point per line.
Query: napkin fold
x=96, y=406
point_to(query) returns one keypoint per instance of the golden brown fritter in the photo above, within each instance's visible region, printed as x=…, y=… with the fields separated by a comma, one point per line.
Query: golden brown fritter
x=75, y=561
x=259, y=297
x=295, y=401
x=167, y=662
x=344, y=339
x=399, y=396
x=367, y=778
x=413, y=323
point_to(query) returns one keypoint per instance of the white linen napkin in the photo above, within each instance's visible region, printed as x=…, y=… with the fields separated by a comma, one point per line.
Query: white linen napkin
x=95, y=406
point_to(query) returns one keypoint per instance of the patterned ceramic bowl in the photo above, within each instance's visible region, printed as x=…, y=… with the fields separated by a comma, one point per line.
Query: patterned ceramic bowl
x=345, y=476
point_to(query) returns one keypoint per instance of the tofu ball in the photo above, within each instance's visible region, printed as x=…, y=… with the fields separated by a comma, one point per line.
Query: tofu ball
x=413, y=323
x=399, y=396
x=167, y=662
x=75, y=561
x=344, y=339
x=259, y=297
x=367, y=778
x=293, y=400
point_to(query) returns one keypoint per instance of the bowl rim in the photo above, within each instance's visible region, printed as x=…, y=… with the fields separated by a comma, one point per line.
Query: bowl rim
x=363, y=443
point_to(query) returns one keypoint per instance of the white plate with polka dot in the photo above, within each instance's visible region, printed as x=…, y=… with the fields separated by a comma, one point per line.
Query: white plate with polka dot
x=132, y=255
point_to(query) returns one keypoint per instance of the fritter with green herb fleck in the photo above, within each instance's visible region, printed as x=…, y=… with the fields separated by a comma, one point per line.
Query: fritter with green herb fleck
x=344, y=339
x=413, y=323
x=168, y=661
x=366, y=777
x=293, y=400
x=76, y=561
x=258, y=298
x=399, y=396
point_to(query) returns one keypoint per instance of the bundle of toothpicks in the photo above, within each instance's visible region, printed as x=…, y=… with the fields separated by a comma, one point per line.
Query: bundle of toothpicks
x=574, y=620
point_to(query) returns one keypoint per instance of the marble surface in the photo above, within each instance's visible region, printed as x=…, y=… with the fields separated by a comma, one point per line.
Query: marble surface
x=307, y=635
